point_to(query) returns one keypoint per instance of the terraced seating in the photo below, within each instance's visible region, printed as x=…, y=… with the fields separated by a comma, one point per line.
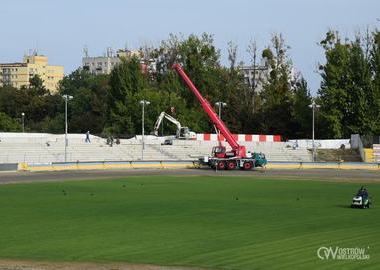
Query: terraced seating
x=45, y=148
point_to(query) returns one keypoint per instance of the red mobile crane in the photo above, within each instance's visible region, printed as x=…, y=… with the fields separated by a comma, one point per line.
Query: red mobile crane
x=222, y=159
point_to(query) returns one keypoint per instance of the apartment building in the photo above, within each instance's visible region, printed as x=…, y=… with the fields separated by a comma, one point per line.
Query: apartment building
x=19, y=74
x=104, y=64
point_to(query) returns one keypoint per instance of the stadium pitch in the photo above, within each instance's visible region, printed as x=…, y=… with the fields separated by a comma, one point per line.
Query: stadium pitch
x=216, y=222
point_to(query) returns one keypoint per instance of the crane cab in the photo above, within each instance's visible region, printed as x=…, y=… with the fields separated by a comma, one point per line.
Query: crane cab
x=220, y=152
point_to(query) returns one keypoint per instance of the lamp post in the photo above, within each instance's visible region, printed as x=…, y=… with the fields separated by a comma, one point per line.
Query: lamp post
x=220, y=105
x=313, y=105
x=143, y=103
x=66, y=98
x=23, y=121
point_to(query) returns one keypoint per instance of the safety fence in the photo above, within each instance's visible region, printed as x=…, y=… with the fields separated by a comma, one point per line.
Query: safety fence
x=186, y=164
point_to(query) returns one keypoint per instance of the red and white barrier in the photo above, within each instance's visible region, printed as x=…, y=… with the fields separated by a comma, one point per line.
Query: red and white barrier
x=239, y=137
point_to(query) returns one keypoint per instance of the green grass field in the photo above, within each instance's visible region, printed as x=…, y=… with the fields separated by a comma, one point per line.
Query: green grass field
x=216, y=222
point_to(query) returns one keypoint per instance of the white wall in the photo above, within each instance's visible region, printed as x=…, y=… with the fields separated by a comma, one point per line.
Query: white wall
x=321, y=144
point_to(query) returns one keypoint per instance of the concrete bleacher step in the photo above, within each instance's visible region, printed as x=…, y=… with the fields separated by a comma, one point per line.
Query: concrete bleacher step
x=51, y=149
x=336, y=155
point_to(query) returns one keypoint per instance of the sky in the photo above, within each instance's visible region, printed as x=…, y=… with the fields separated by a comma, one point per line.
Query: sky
x=61, y=29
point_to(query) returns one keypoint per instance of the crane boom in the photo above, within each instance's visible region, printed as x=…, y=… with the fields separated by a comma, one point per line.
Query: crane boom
x=239, y=150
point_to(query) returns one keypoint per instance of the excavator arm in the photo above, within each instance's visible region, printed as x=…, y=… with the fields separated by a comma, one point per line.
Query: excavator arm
x=174, y=121
x=158, y=123
x=168, y=117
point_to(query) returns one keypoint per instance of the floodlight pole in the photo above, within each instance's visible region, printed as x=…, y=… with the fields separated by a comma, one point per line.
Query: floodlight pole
x=220, y=105
x=313, y=105
x=23, y=121
x=143, y=103
x=66, y=98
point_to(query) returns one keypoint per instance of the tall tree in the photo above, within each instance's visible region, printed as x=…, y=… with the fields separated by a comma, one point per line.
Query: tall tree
x=375, y=70
x=126, y=80
x=347, y=93
x=277, y=91
x=129, y=85
x=88, y=109
x=8, y=124
x=301, y=114
x=332, y=93
x=253, y=53
x=360, y=94
x=232, y=54
x=200, y=58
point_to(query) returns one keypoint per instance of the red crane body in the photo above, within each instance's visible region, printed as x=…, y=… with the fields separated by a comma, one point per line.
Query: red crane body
x=238, y=151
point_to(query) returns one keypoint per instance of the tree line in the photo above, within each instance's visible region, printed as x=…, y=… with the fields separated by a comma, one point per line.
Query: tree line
x=276, y=101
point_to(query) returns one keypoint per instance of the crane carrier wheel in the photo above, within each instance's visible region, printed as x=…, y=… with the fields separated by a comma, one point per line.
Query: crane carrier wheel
x=231, y=165
x=247, y=165
x=221, y=165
